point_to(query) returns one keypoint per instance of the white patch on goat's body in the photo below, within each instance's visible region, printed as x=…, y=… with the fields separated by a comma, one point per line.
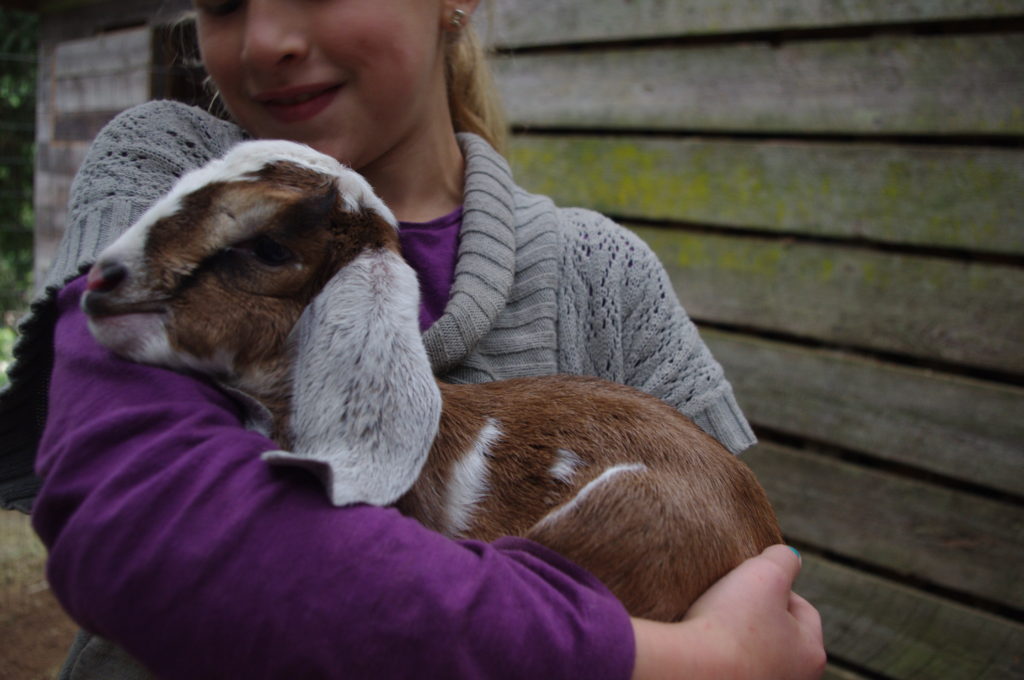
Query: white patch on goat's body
x=239, y=165
x=565, y=465
x=467, y=484
x=606, y=477
x=366, y=405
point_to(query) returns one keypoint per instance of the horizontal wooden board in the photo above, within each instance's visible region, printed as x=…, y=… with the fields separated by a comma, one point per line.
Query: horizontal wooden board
x=546, y=22
x=970, y=198
x=959, y=428
x=894, y=631
x=956, y=540
x=100, y=93
x=939, y=85
x=109, y=72
x=933, y=308
x=105, y=54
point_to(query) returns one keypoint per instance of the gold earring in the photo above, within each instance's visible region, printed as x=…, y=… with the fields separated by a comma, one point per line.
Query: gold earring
x=458, y=17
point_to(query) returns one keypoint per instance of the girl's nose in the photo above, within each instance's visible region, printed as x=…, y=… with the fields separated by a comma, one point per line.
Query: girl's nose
x=274, y=33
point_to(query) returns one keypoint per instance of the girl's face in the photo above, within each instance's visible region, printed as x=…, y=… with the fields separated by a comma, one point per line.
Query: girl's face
x=355, y=79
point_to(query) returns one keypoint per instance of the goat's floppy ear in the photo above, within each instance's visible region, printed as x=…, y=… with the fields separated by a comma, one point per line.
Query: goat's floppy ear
x=366, y=406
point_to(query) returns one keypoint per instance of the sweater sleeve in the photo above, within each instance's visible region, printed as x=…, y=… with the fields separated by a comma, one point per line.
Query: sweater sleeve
x=631, y=328
x=135, y=159
x=169, y=536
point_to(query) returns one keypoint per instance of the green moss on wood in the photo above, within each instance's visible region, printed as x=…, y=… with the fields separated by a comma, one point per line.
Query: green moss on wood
x=958, y=198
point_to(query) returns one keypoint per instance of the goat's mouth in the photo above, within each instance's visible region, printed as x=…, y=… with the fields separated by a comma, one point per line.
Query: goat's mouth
x=99, y=305
x=133, y=331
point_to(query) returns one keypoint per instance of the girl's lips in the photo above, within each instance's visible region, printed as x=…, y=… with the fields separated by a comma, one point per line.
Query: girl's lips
x=297, y=105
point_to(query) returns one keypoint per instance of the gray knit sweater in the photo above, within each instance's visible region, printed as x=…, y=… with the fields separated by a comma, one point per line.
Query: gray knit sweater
x=538, y=289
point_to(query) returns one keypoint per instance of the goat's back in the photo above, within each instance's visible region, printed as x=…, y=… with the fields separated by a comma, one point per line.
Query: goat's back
x=613, y=478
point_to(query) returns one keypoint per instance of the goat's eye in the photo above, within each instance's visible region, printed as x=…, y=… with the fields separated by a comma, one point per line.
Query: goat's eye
x=270, y=252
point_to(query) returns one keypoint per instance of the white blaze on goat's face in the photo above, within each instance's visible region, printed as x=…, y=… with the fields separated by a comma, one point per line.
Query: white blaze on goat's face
x=255, y=234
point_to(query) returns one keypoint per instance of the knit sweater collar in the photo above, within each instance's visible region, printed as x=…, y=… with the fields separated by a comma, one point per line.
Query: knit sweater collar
x=486, y=261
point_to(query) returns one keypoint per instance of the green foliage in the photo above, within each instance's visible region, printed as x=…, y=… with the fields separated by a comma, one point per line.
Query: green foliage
x=18, y=52
x=7, y=336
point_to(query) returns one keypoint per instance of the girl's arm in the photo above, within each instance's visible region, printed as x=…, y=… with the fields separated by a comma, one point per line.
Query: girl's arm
x=169, y=536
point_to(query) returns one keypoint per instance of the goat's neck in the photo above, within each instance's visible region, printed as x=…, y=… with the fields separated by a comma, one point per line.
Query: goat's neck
x=365, y=399
x=265, y=393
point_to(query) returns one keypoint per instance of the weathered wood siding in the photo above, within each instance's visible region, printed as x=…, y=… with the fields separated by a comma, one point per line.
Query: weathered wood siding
x=837, y=190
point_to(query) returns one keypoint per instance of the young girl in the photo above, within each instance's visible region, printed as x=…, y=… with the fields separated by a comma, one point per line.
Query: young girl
x=171, y=538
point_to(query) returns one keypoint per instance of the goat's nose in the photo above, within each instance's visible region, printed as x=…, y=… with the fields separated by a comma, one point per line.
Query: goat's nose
x=106, y=276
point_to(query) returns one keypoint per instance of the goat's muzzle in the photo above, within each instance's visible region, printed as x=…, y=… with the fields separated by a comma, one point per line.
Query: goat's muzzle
x=106, y=276
x=109, y=293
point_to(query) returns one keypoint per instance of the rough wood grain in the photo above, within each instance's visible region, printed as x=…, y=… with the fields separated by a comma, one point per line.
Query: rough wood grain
x=105, y=54
x=940, y=85
x=898, y=632
x=957, y=540
x=934, y=308
x=969, y=198
x=546, y=22
x=960, y=428
x=109, y=72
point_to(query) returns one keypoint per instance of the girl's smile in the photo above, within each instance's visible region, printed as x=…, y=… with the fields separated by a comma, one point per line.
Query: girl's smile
x=298, y=104
x=362, y=81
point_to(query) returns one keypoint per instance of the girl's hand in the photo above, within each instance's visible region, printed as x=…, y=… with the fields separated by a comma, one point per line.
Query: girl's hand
x=749, y=625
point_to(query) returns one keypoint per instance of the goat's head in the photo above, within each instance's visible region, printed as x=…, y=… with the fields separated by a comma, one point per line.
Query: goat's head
x=239, y=245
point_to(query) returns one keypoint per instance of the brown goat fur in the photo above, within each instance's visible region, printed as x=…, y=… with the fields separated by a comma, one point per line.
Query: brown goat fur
x=613, y=478
x=657, y=537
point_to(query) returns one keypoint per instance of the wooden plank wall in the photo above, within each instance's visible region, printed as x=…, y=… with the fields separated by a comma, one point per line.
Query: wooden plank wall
x=837, y=190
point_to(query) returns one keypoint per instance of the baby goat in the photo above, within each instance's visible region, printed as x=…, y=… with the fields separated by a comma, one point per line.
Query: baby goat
x=277, y=272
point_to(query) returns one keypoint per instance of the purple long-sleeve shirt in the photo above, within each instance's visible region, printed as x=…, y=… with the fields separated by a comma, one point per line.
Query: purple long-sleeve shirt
x=168, y=535
x=431, y=248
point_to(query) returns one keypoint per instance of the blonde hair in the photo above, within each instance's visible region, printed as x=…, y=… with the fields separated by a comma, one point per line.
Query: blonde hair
x=472, y=96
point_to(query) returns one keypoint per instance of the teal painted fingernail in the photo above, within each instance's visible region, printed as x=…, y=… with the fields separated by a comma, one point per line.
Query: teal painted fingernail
x=796, y=552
